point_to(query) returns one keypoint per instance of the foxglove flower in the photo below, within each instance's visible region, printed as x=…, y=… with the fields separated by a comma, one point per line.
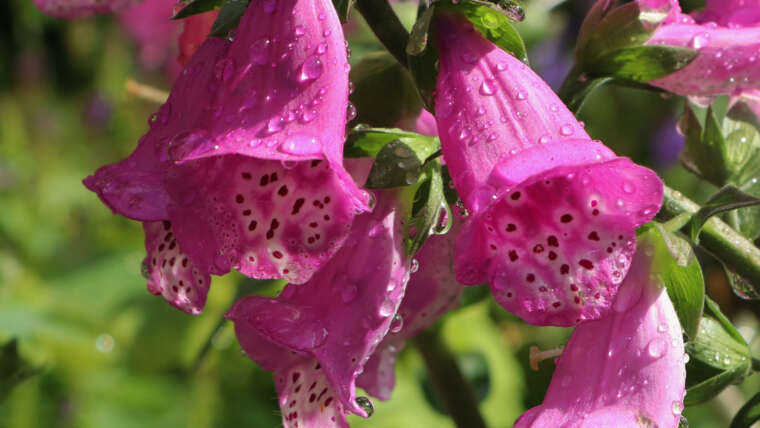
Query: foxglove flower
x=626, y=370
x=317, y=336
x=154, y=33
x=243, y=165
x=70, y=9
x=727, y=36
x=432, y=291
x=552, y=213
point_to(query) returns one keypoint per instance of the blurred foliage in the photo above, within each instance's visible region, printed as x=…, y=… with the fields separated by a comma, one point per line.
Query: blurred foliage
x=114, y=356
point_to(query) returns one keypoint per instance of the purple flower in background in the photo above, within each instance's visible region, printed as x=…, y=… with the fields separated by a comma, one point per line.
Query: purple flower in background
x=243, y=165
x=70, y=9
x=431, y=292
x=318, y=336
x=552, y=213
x=727, y=35
x=626, y=370
x=154, y=33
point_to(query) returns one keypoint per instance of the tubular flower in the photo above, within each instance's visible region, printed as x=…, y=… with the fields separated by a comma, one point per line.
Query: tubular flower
x=626, y=370
x=727, y=36
x=552, y=213
x=244, y=161
x=149, y=25
x=70, y=9
x=317, y=337
x=431, y=292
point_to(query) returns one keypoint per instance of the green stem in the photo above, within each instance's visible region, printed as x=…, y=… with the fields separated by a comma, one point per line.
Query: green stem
x=726, y=244
x=453, y=389
x=385, y=24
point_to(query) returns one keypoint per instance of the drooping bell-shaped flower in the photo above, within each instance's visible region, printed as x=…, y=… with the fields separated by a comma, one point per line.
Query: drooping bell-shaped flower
x=552, y=212
x=155, y=34
x=432, y=290
x=70, y=9
x=245, y=158
x=317, y=336
x=727, y=35
x=626, y=370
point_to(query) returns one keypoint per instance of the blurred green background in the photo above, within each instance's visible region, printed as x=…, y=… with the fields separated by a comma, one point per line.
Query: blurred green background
x=112, y=355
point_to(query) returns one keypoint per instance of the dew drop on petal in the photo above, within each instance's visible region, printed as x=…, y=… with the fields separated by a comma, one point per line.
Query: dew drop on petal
x=311, y=69
x=397, y=323
x=366, y=405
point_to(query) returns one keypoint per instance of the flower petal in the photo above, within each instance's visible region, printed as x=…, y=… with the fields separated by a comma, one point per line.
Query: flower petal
x=155, y=34
x=342, y=313
x=70, y=9
x=170, y=271
x=307, y=399
x=626, y=370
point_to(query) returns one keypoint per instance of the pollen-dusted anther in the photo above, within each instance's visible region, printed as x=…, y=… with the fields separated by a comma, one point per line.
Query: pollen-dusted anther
x=536, y=355
x=545, y=200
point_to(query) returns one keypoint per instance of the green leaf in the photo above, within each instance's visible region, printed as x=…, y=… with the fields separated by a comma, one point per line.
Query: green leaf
x=400, y=162
x=493, y=22
x=676, y=266
x=577, y=87
x=343, y=7
x=726, y=199
x=194, y=7
x=364, y=141
x=229, y=17
x=431, y=214
x=748, y=414
x=423, y=58
x=13, y=369
x=418, y=38
x=705, y=150
x=640, y=63
x=719, y=357
x=378, y=76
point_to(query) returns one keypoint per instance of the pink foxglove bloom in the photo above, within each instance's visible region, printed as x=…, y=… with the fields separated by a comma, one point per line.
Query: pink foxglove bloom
x=244, y=162
x=317, y=336
x=431, y=292
x=727, y=35
x=626, y=370
x=552, y=212
x=154, y=33
x=70, y=9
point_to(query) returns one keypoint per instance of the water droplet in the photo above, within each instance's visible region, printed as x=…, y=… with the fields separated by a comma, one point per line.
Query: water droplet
x=321, y=48
x=415, y=266
x=348, y=293
x=301, y=145
x=397, y=323
x=628, y=187
x=566, y=129
x=686, y=358
x=105, y=343
x=351, y=112
x=275, y=124
x=661, y=328
x=486, y=88
x=677, y=407
x=224, y=69
x=657, y=348
x=260, y=51
x=699, y=41
x=544, y=139
x=501, y=66
x=145, y=269
x=366, y=405
x=300, y=31
x=308, y=115
x=521, y=96
x=387, y=308
x=310, y=69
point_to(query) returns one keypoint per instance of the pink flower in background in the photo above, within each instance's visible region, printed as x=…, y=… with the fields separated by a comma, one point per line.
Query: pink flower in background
x=552, y=213
x=195, y=30
x=317, y=337
x=626, y=370
x=70, y=9
x=431, y=292
x=154, y=33
x=244, y=161
x=727, y=36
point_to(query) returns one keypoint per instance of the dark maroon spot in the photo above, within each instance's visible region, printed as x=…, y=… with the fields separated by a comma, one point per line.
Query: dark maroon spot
x=297, y=206
x=493, y=247
x=547, y=182
x=530, y=277
x=298, y=389
x=595, y=211
x=296, y=375
x=597, y=296
x=318, y=366
x=251, y=258
x=552, y=241
x=538, y=249
x=327, y=199
x=321, y=394
x=312, y=385
x=593, y=203
x=490, y=229
x=239, y=198
x=509, y=294
x=542, y=289
x=175, y=289
x=154, y=261
x=564, y=269
x=283, y=190
x=556, y=304
x=515, y=196
x=163, y=263
x=552, y=255
x=513, y=255
x=614, y=244
x=277, y=254
x=270, y=234
x=587, y=264
x=181, y=283
x=326, y=217
x=286, y=271
x=313, y=224
x=273, y=177
x=577, y=299
x=620, y=237
x=168, y=237
x=593, y=236
x=609, y=250
x=264, y=180
x=328, y=401
x=292, y=403
x=252, y=225
x=573, y=287
x=246, y=175
x=312, y=397
x=566, y=218
x=167, y=225
x=246, y=212
x=315, y=163
x=171, y=261
x=511, y=227
x=275, y=224
x=310, y=239
x=161, y=247
x=317, y=236
x=173, y=244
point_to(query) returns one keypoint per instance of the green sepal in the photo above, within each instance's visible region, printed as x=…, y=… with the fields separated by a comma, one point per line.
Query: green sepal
x=229, y=17
x=194, y=7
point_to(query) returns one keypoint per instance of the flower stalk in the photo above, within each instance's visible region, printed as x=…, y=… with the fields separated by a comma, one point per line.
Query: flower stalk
x=387, y=27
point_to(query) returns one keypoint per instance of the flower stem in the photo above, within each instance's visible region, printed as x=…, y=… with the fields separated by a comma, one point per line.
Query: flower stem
x=453, y=389
x=726, y=244
x=385, y=24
